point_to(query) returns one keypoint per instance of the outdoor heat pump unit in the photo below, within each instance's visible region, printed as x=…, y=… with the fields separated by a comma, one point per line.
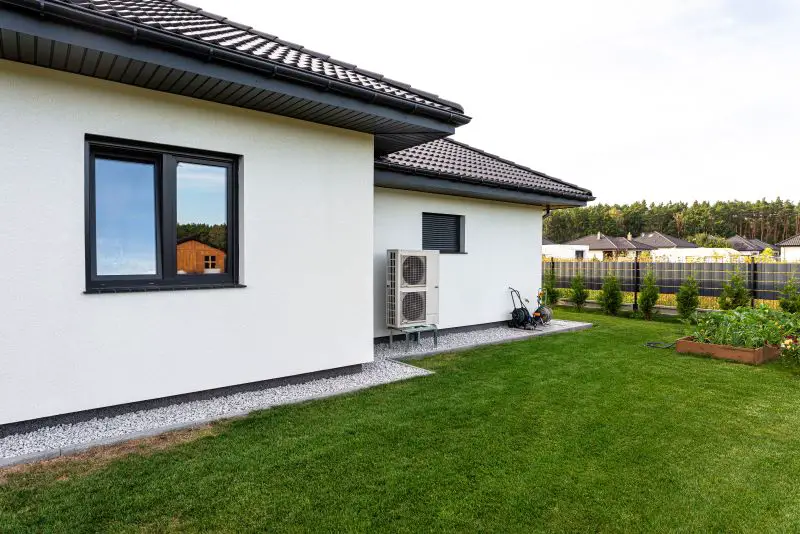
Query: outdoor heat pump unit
x=412, y=288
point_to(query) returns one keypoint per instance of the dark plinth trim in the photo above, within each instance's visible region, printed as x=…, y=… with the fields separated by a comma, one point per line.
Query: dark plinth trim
x=30, y=425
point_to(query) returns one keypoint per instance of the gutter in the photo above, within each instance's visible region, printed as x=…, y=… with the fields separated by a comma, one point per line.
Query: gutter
x=454, y=177
x=86, y=17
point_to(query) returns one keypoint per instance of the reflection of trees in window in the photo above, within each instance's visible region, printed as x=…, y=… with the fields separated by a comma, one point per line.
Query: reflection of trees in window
x=215, y=235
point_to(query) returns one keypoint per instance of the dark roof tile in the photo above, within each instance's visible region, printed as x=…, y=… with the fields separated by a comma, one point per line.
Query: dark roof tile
x=791, y=242
x=189, y=22
x=601, y=241
x=449, y=157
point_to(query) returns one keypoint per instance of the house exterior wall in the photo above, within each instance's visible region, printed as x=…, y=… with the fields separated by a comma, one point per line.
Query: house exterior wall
x=503, y=248
x=306, y=207
x=565, y=252
x=790, y=253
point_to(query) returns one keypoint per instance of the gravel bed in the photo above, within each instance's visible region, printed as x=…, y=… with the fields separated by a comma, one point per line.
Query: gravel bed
x=461, y=340
x=382, y=371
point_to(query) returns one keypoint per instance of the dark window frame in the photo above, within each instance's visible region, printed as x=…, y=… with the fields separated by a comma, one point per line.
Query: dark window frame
x=166, y=159
x=461, y=229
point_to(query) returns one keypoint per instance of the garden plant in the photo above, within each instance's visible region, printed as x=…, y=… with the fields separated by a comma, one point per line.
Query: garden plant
x=611, y=296
x=579, y=293
x=648, y=295
x=550, y=286
x=746, y=327
x=790, y=297
x=734, y=294
x=688, y=299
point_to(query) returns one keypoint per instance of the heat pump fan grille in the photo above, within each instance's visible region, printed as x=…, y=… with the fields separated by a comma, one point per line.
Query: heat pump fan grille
x=414, y=271
x=414, y=306
x=391, y=314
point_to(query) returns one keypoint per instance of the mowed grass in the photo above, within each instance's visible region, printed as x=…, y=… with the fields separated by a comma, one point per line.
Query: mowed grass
x=586, y=431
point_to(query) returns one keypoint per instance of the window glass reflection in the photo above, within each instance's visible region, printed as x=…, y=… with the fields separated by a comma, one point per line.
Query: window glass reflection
x=202, y=219
x=125, y=223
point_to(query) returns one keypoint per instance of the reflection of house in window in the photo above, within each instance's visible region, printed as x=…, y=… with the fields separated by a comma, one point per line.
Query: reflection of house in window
x=196, y=257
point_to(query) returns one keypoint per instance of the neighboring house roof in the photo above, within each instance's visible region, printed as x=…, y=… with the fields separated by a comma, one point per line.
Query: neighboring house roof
x=449, y=159
x=170, y=46
x=659, y=240
x=791, y=242
x=546, y=241
x=763, y=245
x=603, y=242
x=197, y=240
x=743, y=244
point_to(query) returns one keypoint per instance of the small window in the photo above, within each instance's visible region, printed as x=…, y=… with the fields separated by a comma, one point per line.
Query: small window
x=444, y=233
x=578, y=254
x=159, y=217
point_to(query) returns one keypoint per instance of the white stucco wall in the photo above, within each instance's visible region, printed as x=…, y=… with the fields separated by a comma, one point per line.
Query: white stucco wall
x=565, y=252
x=503, y=245
x=790, y=253
x=306, y=240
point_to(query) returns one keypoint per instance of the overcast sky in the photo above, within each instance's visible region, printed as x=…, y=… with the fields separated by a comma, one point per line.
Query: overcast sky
x=657, y=100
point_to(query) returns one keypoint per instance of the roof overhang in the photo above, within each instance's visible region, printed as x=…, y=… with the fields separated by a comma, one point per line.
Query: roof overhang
x=58, y=36
x=453, y=186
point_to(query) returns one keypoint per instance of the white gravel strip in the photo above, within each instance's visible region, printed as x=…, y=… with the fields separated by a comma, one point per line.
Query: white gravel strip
x=62, y=439
x=62, y=436
x=464, y=340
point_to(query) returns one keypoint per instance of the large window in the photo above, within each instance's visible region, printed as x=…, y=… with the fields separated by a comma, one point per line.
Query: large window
x=159, y=218
x=442, y=232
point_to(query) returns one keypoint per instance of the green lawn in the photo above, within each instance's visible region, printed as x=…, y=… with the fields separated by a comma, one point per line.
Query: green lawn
x=586, y=431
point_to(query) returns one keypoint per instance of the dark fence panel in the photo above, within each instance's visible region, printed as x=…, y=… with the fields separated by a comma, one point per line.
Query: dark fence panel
x=765, y=280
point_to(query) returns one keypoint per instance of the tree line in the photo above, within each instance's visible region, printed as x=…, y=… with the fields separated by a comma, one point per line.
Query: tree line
x=770, y=221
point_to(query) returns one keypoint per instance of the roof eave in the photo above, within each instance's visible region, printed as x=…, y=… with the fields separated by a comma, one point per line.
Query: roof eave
x=61, y=23
x=389, y=177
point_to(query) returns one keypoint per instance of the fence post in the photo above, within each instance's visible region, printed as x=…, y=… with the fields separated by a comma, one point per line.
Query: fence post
x=636, y=282
x=753, y=283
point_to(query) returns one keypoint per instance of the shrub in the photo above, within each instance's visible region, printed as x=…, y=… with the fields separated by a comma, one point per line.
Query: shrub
x=552, y=293
x=648, y=295
x=734, y=294
x=688, y=299
x=790, y=297
x=579, y=293
x=611, y=295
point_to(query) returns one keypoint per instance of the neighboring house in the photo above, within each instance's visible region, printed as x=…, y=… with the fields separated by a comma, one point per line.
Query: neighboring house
x=196, y=257
x=603, y=247
x=124, y=119
x=666, y=247
x=790, y=249
x=564, y=252
x=749, y=247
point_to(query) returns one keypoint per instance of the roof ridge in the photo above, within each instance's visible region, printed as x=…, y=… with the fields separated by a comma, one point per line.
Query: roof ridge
x=517, y=165
x=300, y=48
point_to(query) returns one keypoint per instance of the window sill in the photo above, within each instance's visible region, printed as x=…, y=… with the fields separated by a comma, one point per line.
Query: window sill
x=158, y=289
x=454, y=253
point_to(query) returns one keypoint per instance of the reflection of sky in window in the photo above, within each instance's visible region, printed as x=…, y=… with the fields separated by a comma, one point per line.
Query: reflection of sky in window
x=201, y=194
x=125, y=217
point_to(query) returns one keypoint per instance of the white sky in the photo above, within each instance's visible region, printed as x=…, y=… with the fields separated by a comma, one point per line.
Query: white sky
x=656, y=100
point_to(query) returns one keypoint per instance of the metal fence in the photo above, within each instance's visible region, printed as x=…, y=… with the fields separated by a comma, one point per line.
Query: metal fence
x=764, y=280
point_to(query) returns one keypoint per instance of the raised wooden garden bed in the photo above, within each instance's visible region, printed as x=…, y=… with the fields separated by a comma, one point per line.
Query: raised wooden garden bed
x=688, y=345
